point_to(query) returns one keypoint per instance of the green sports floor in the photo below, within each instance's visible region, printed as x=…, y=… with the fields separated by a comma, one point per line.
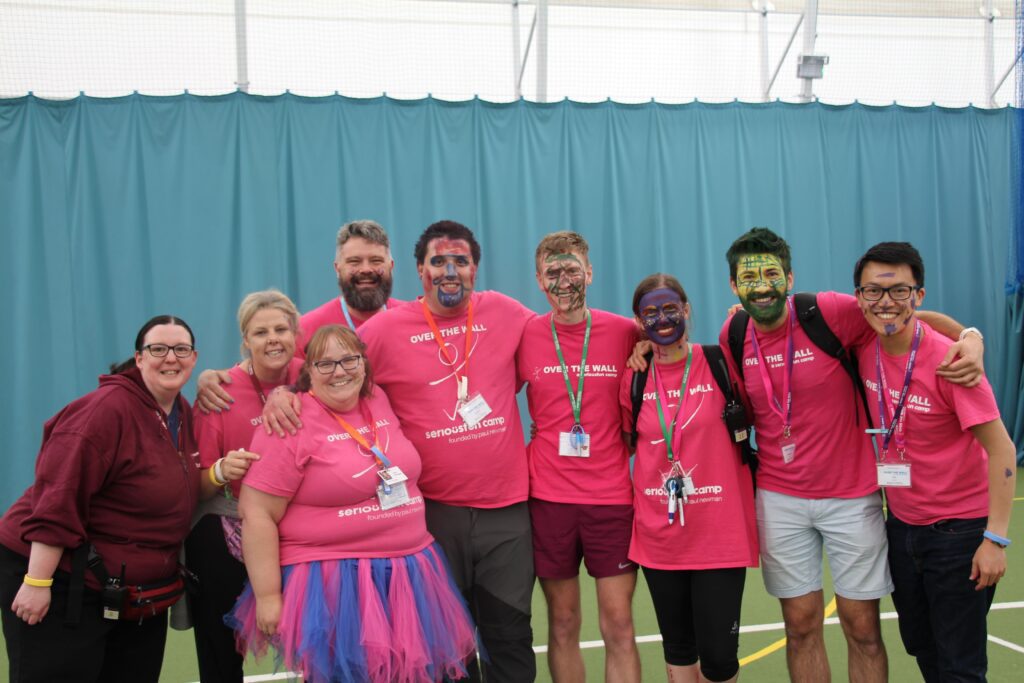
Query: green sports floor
x=762, y=650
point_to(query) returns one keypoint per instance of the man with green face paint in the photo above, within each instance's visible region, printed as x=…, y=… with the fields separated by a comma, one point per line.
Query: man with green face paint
x=817, y=482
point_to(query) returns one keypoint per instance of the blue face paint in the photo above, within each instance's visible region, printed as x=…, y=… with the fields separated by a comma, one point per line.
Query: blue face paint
x=662, y=313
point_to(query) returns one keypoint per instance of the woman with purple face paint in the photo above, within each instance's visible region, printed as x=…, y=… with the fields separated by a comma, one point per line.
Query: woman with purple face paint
x=694, y=532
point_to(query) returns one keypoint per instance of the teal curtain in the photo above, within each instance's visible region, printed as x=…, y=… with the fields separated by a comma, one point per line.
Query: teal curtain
x=113, y=210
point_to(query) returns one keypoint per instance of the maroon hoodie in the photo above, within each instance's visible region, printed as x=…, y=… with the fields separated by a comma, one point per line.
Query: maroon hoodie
x=109, y=474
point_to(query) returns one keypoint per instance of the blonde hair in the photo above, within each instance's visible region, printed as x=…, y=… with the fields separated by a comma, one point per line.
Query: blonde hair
x=256, y=302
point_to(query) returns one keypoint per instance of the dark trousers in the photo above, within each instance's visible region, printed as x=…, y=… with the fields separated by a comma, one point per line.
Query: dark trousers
x=942, y=618
x=490, y=552
x=95, y=649
x=221, y=580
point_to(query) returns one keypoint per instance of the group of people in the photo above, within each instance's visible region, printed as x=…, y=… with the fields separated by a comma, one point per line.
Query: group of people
x=371, y=510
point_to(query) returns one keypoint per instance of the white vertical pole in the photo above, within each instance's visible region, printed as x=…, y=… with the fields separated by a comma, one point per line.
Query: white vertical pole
x=542, y=50
x=990, y=56
x=810, y=33
x=241, y=47
x=762, y=36
x=516, y=54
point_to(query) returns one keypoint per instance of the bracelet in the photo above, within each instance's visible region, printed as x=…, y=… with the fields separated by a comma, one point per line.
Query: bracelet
x=213, y=475
x=38, y=583
x=996, y=538
x=219, y=469
x=975, y=330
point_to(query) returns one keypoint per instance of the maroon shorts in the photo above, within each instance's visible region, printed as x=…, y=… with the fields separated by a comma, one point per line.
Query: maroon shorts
x=564, y=533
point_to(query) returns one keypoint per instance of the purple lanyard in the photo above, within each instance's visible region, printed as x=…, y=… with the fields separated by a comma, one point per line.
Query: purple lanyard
x=898, y=416
x=787, y=380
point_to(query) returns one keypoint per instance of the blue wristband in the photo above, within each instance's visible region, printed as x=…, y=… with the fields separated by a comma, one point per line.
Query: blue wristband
x=996, y=538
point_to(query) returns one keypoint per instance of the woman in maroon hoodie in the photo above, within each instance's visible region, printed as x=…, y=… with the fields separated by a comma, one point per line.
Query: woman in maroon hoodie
x=117, y=471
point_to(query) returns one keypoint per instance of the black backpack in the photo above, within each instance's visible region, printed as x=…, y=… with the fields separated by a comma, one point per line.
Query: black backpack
x=813, y=323
x=734, y=416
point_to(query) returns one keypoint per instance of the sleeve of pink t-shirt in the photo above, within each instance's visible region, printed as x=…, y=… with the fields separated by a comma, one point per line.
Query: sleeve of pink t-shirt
x=209, y=430
x=280, y=467
x=845, y=319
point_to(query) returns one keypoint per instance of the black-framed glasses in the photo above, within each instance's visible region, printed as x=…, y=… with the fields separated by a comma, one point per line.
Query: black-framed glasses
x=326, y=367
x=896, y=292
x=161, y=350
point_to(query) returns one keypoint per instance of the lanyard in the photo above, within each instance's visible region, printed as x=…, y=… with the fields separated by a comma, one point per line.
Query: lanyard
x=884, y=404
x=348, y=317
x=463, y=381
x=668, y=430
x=378, y=454
x=576, y=401
x=256, y=384
x=787, y=378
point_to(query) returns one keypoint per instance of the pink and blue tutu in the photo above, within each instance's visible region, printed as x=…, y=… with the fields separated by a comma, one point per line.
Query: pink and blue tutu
x=397, y=619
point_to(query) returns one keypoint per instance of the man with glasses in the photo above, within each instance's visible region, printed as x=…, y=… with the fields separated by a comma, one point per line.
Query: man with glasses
x=947, y=466
x=816, y=485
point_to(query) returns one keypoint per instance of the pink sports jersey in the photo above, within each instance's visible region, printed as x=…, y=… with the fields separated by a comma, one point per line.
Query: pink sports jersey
x=719, y=528
x=218, y=433
x=480, y=466
x=333, y=512
x=948, y=467
x=602, y=478
x=329, y=313
x=833, y=456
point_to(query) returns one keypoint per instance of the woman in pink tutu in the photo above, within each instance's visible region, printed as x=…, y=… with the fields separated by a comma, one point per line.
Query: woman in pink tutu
x=345, y=581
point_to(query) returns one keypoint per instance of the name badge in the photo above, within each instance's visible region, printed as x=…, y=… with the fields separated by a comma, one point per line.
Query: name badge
x=574, y=444
x=688, y=488
x=392, y=475
x=894, y=475
x=788, y=447
x=474, y=410
x=399, y=495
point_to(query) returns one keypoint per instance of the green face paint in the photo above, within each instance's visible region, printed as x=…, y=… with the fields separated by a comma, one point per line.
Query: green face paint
x=763, y=286
x=565, y=281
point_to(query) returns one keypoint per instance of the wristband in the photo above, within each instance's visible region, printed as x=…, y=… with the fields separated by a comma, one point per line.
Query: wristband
x=213, y=475
x=38, y=583
x=975, y=330
x=218, y=467
x=996, y=538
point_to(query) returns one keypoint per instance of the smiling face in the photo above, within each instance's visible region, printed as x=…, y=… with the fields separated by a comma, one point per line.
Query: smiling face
x=364, y=272
x=564, y=279
x=888, y=317
x=762, y=285
x=164, y=377
x=663, y=316
x=338, y=389
x=448, y=274
x=270, y=341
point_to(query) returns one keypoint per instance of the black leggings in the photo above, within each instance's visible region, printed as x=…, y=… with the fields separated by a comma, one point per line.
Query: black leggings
x=699, y=616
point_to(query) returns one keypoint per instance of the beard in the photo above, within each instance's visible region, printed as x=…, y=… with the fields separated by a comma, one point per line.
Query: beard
x=368, y=300
x=768, y=314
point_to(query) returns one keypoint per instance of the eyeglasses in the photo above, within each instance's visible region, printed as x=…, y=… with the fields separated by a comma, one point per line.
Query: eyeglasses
x=896, y=292
x=160, y=350
x=326, y=367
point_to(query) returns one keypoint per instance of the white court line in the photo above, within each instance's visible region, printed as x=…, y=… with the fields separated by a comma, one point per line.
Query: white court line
x=656, y=638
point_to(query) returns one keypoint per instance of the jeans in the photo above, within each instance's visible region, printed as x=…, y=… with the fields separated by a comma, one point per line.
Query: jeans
x=942, y=618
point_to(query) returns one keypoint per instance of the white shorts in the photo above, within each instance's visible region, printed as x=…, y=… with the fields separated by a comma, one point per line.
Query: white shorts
x=793, y=532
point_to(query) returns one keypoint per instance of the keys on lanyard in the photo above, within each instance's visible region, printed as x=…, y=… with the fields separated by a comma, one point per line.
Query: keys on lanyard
x=679, y=486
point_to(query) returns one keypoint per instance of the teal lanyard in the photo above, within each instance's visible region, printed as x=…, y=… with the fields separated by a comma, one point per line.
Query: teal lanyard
x=576, y=401
x=668, y=429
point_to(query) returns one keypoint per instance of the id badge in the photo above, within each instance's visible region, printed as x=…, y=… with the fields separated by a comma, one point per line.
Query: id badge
x=788, y=447
x=392, y=475
x=399, y=496
x=574, y=445
x=688, y=488
x=894, y=475
x=474, y=410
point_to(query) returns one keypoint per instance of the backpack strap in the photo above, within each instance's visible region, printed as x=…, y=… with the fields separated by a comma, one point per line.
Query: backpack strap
x=737, y=333
x=813, y=323
x=636, y=394
x=720, y=371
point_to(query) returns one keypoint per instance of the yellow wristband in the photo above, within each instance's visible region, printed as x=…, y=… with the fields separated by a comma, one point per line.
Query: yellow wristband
x=213, y=477
x=38, y=583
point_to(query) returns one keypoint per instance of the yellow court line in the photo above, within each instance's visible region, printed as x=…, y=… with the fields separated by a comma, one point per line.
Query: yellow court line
x=781, y=643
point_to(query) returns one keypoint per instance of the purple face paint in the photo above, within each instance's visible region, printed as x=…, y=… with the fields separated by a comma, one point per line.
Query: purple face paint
x=662, y=315
x=890, y=329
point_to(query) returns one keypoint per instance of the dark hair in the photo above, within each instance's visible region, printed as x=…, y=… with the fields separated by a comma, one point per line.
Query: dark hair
x=451, y=230
x=653, y=282
x=892, y=253
x=129, y=363
x=315, y=351
x=758, y=241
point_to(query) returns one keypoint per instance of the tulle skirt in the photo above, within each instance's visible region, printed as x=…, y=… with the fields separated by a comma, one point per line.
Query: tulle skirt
x=397, y=619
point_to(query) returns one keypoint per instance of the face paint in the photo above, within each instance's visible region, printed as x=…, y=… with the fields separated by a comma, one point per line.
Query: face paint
x=564, y=277
x=663, y=315
x=762, y=285
x=448, y=272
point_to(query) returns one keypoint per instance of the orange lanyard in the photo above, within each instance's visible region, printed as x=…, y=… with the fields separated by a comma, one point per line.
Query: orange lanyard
x=444, y=349
x=378, y=454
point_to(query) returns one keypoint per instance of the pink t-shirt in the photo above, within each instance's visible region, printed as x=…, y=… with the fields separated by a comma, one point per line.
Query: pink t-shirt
x=480, y=466
x=948, y=467
x=218, y=433
x=331, y=483
x=719, y=528
x=329, y=313
x=833, y=457
x=603, y=478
